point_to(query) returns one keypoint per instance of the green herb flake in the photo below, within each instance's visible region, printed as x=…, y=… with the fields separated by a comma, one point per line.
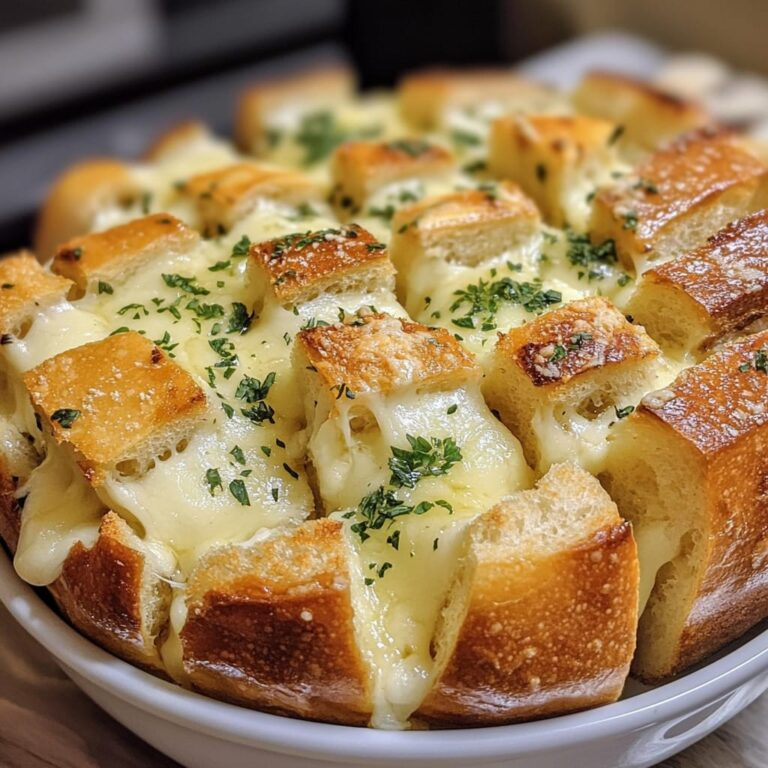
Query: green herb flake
x=213, y=478
x=65, y=417
x=238, y=490
x=104, y=288
x=237, y=454
x=622, y=413
x=426, y=458
x=186, y=284
x=452, y=409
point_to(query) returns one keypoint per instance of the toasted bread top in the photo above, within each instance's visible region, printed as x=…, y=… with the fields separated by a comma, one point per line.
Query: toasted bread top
x=117, y=250
x=570, y=340
x=715, y=404
x=108, y=397
x=76, y=196
x=678, y=178
x=24, y=284
x=295, y=262
x=400, y=157
x=566, y=136
x=467, y=208
x=176, y=138
x=381, y=354
x=728, y=275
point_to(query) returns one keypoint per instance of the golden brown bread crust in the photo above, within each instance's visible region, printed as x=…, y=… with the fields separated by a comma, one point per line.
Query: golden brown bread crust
x=123, y=390
x=176, y=138
x=380, y=353
x=100, y=591
x=76, y=196
x=551, y=610
x=725, y=282
x=547, y=154
x=117, y=252
x=314, y=89
x=649, y=115
x=571, y=340
x=360, y=167
x=25, y=286
x=692, y=174
x=303, y=265
x=226, y=195
x=718, y=408
x=423, y=96
x=273, y=628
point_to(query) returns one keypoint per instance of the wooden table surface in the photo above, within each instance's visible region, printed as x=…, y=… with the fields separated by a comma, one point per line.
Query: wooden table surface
x=45, y=722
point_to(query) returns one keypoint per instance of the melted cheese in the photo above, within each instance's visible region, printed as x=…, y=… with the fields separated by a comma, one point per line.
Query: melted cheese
x=656, y=546
x=396, y=612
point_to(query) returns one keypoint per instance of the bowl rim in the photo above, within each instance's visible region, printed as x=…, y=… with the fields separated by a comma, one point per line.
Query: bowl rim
x=276, y=733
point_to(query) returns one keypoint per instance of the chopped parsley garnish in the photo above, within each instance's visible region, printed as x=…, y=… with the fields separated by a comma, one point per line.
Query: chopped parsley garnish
x=386, y=213
x=220, y=265
x=251, y=390
x=623, y=412
x=239, y=320
x=259, y=413
x=630, y=220
x=578, y=339
x=203, y=311
x=165, y=344
x=313, y=323
x=137, y=309
x=452, y=409
x=759, y=361
x=241, y=247
x=485, y=298
x=104, y=287
x=375, y=246
x=558, y=354
x=426, y=458
x=593, y=258
x=394, y=539
x=213, y=478
x=647, y=186
x=66, y=417
x=186, y=284
x=412, y=147
x=275, y=493
x=616, y=134
x=382, y=507
x=121, y=329
x=343, y=390
x=466, y=138
x=475, y=166
x=292, y=472
x=237, y=454
x=238, y=490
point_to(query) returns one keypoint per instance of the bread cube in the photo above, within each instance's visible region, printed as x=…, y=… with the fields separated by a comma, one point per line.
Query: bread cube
x=649, y=116
x=263, y=103
x=466, y=227
x=77, y=196
x=709, y=294
x=424, y=97
x=559, y=381
x=25, y=287
x=225, y=196
x=115, y=254
x=678, y=197
x=543, y=613
x=117, y=403
x=302, y=266
x=688, y=470
x=294, y=586
x=557, y=160
x=360, y=168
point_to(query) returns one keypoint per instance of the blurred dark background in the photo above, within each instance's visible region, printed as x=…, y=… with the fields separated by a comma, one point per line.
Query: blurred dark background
x=102, y=76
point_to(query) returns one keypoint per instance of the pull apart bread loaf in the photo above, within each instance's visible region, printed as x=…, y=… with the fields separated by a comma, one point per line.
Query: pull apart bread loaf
x=408, y=411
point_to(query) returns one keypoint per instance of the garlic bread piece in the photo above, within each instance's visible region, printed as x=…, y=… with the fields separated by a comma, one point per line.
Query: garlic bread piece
x=688, y=470
x=114, y=255
x=225, y=196
x=361, y=168
x=302, y=266
x=542, y=615
x=272, y=625
x=427, y=98
x=559, y=382
x=559, y=160
x=678, y=197
x=268, y=108
x=78, y=196
x=403, y=449
x=710, y=294
x=649, y=117
x=115, y=402
x=467, y=227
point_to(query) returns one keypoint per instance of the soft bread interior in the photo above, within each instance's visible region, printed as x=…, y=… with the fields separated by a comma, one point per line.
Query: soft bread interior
x=659, y=485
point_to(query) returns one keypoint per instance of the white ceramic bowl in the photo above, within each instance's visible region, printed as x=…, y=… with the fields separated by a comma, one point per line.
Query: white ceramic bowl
x=642, y=729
